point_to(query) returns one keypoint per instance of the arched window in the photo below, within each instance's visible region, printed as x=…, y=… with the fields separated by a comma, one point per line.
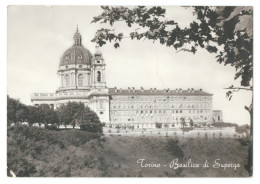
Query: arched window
x=98, y=76
x=80, y=80
x=67, y=80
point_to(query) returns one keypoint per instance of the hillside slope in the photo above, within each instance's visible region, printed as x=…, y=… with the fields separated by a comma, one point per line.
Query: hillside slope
x=38, y=152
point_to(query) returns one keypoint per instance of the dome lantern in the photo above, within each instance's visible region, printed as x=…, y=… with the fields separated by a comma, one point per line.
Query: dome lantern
x=77, y=38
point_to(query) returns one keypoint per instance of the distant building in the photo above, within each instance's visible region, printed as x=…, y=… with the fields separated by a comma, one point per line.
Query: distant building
x=82, y=79
x=217, y=116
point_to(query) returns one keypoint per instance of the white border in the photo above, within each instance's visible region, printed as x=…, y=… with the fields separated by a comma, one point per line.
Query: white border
x=3, y=90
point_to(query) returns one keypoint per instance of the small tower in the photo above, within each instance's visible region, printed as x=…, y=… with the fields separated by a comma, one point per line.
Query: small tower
x=98, y=70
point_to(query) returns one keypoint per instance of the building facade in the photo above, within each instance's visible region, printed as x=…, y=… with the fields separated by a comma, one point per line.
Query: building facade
x=82, y=79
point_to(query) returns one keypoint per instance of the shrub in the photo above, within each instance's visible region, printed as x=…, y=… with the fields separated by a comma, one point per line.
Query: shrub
x=187, y=129
x=172, y=146
x=158, y=125
x=242, y=129
x=95, y=127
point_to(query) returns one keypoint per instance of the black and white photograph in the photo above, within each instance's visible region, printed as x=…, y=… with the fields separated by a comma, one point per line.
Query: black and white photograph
x=129, y=91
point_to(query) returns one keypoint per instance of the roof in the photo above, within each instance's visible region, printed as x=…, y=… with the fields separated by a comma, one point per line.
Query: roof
x=76, y=55
x=178, y=92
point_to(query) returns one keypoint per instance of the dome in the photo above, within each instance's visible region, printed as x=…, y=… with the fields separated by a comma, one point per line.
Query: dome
x=76, y=55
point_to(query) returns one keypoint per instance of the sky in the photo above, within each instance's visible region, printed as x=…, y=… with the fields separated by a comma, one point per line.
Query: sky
x=39, y=35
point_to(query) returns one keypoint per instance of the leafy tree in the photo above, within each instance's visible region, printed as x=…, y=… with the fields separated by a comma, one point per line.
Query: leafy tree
x=16, y=111
x=224, y=31
x=74, y=113
x=183, y=123
x=166, y=125
x=191, y=123
x=47, y=115
x=11, y=110
x=32, y=115
x=158, y=125
x=22, y=113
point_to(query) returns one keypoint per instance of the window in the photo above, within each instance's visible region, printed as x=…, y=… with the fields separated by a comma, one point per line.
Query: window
x=67, y=67
x=80, y=80
x=67, y=80
x=98, y=61
x=80, y=56
x=80, y=66
x=98, y=76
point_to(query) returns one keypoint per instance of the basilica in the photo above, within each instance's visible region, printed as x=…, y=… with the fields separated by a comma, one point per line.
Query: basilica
x=82, y=79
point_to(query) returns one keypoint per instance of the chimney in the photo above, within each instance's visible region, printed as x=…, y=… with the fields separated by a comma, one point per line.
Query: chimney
x=188, y=90
x=155, y=90
x=133, y=89
x=120, y=90
x=192, y=90
x=180, y=90
x=201, y=90
x=129, y=89
x=151, y=90
x=177, y=90
x=115, y=89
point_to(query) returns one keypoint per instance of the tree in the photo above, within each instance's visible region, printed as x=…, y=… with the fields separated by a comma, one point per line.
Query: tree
x=16, y=111
x=74, y=113
x=223, y=31
x=47, y=115
x=21, y=113
x=90, y=122
x=191, y=123
x=183, y=123
x=32, y=115
x=158, y=125
x=166, y=125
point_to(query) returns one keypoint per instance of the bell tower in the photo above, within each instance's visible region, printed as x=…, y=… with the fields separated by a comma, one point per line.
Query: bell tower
x=98, y=70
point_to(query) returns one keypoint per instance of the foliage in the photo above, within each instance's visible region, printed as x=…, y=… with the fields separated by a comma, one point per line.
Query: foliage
x=158, y=125
x=226, y=32
x=172, y=146
x=230, y=27
x=74, y=113
x=191, y=123
x=224, y=124
x=187, y=129
x=166, y=125
x=47, y=114
x=38, y=152
x=33, y=115
x=183, y=123
x=33, y=151
x=242, y=129
x=16, y=111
